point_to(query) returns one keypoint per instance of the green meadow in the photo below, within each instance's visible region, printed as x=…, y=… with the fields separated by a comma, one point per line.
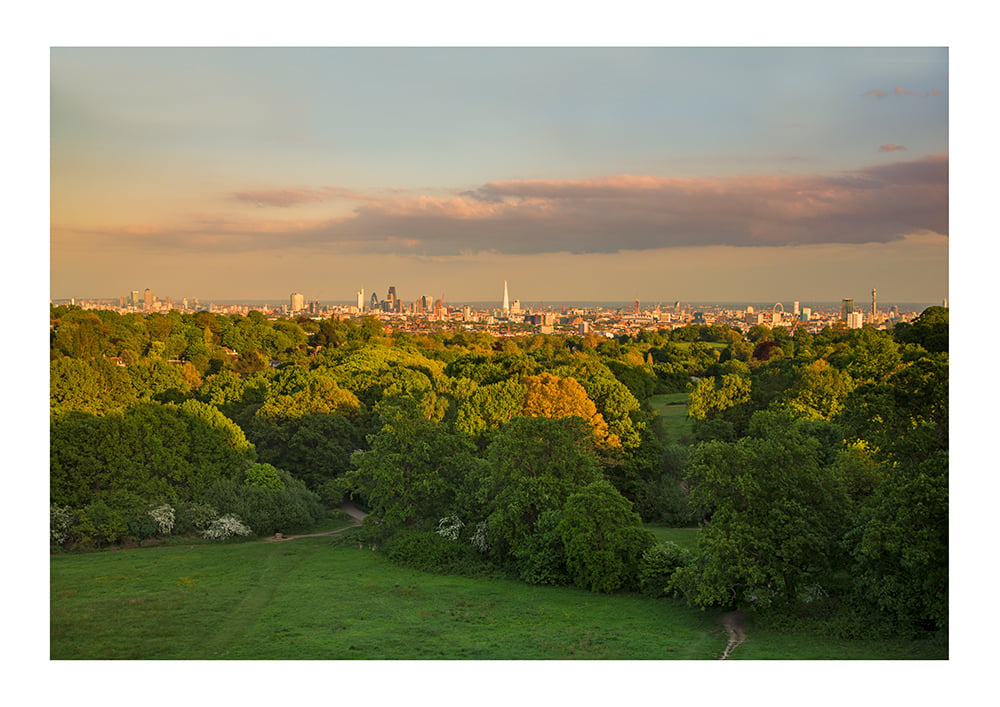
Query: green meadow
x=326, y=598
x=671, y=409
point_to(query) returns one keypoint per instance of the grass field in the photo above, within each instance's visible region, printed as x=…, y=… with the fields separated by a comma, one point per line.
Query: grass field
x=685, y=537
x=315, y=599
x=672, y=411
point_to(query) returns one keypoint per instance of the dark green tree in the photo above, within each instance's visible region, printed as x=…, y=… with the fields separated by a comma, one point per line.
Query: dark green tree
x=535, y=464
x=776, y=516
x=603, y=538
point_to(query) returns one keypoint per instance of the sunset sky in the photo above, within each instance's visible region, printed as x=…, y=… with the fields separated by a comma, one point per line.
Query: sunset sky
x=692, y=174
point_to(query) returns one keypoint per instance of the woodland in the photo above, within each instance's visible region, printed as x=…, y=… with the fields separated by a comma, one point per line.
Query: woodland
x=815, y=466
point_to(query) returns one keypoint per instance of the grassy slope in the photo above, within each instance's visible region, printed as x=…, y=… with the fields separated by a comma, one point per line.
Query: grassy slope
x=312, y=599
x=672, y=411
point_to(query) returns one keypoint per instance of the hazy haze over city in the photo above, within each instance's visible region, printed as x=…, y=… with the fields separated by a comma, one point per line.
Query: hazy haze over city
x=575, y=174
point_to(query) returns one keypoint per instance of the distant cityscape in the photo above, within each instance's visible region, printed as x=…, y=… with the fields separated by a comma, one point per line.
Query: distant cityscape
x=510, y=316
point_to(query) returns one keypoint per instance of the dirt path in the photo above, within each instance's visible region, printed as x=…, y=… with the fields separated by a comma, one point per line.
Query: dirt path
x=356, y=514
x=735, y=624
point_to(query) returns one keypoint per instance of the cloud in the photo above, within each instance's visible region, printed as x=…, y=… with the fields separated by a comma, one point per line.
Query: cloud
x=598, y=215
x=899, y=91
x=890, y=148
x=294, y=197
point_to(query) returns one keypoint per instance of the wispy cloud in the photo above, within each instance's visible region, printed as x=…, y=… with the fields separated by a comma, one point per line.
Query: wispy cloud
x=294, y=197
x=899, y=91
x=890, y=148
x=602, y=215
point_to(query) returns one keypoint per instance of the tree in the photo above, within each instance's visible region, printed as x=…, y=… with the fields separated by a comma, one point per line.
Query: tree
x=900, y=539
x=775, y=516
x=867, y=355
x=820, y=392
x=415, y=473
x=156, y=452
x=535, y=464
x=603, y=537
x=547, y=395
x=929, y=330
x=712, y=396
x=489, y=407
x=97, y=385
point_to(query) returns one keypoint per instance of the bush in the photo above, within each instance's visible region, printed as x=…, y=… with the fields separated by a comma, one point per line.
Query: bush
x=263, y=476
x=195, y=517
x=141, y=526
x=226, y=527
x=61, y=521
x=289, y=509
x=164, y=517
x=657, y=567
x=99, y=524
x=542, y=557
x=427, y=551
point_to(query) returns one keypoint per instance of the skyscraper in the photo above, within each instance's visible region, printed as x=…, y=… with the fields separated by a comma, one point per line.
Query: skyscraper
x=506, y=299
x=874, y=305
x=846, y=307
x=147, y=299
x=297, y=302
x=361, y=300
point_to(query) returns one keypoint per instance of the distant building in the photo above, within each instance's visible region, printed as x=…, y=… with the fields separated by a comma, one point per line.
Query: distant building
x=806, y=314
x=846, y=307
x=506, y=299
x=855, y=320
x=297, y=302
x=147, y=299
x=361, y=300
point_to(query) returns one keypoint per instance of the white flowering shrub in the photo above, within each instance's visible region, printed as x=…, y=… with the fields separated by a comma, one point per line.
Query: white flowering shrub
x=478, y=539
x=226, y=527
x=61, y=519
x=163, y=516
x=449, y=527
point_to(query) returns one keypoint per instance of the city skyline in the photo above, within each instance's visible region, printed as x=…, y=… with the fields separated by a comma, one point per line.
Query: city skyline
x=579, y=174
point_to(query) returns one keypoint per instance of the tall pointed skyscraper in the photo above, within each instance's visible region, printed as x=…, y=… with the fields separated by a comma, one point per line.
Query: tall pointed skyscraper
x=506, y=300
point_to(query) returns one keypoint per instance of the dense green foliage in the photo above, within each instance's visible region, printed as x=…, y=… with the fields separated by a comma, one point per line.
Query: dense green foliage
x=815, y=464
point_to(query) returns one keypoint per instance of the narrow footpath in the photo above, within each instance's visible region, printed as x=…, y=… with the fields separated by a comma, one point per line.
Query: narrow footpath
x=356, y=514
x=735, y=624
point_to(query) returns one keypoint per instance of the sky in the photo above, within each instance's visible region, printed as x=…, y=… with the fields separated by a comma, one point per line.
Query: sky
x=600, y=173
